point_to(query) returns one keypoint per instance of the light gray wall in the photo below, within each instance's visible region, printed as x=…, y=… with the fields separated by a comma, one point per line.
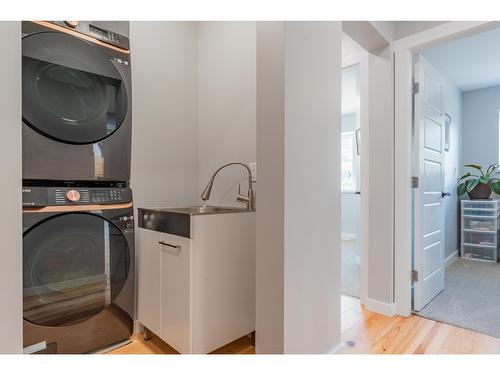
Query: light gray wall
x=298, y=143
x=164, y=113
x=480, y=126
x=271, y=210
x=10, y=169
x=381, y=177
x=226, y=105
x=313, y=63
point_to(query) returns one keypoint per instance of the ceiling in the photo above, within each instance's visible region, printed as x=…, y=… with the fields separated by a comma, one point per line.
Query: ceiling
x=472, y=63
x=350, y=76
x=349, y=46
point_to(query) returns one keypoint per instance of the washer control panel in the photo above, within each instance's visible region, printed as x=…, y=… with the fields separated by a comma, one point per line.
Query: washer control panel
x=36, y=196
x=87, y=28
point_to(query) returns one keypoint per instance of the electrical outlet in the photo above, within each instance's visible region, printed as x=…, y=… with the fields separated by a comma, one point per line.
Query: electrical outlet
x=253, y=168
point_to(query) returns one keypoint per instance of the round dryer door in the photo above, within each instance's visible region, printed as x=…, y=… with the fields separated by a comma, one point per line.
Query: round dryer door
x=74, y=266
x=71, y=91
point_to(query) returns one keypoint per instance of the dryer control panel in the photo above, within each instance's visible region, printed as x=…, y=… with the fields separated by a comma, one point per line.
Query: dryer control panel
x=37, y=196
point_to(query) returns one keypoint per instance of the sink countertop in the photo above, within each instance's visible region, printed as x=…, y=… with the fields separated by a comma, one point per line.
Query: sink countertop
x=177, y=220
x=198, y=210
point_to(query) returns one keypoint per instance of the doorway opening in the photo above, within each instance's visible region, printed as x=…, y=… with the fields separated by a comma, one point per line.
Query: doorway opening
x=354, y=222
x=350, y=182
x=456, y=130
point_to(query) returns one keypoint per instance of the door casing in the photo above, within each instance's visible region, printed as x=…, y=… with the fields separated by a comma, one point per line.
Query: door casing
x=403, y=114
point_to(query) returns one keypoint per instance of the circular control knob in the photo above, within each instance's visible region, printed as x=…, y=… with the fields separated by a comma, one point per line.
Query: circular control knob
x=72, y=24
x=73, y=195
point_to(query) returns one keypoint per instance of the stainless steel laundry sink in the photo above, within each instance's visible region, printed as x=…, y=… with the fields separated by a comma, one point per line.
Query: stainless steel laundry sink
x=178, y=220
x=203, y=210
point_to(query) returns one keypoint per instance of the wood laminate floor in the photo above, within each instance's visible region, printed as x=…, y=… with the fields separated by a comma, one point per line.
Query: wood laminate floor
x=156, y=346
x=365, y=332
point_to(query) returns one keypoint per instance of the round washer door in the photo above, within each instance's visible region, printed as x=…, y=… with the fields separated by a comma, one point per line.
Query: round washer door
x=74, y=266
x=71, y=91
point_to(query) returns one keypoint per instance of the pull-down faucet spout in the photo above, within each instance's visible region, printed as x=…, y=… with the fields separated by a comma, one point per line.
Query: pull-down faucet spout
x=248, y=199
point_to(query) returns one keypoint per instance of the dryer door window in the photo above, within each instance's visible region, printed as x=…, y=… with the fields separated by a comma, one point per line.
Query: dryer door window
x=71, y=91
x=74, y=266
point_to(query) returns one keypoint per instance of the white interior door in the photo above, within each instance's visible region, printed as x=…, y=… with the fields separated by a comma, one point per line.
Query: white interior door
x=428, y=199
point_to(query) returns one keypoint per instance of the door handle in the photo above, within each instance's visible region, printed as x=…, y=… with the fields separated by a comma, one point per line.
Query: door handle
x=357, y=192
x=445, y=194
x=169, y=245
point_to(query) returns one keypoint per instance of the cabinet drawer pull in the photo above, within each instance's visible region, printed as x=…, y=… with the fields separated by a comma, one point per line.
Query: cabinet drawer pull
x=169, y=245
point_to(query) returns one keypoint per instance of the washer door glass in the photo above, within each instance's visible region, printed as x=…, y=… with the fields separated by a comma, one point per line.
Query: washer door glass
x=74, y=266
x=71, y=92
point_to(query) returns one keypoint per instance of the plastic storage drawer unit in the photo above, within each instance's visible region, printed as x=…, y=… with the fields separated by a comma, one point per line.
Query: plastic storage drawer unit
x=480, y=224
x=478, y=253
x=480, y=229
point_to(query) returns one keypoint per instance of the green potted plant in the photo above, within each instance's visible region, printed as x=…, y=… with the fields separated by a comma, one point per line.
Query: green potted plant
x=479, y=185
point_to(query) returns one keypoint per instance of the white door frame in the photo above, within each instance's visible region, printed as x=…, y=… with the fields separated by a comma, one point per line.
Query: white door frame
x=403, y=73
x=361, y=59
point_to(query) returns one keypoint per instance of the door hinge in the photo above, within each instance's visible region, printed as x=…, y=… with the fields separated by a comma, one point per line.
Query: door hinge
x=414, y=182
x=414, y=276
x=415, y=88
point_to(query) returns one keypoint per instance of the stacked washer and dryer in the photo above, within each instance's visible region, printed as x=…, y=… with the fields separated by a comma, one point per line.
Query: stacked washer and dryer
x=78, y=240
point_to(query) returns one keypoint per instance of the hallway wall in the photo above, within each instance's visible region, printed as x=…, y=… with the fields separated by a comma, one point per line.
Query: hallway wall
x=481, y=123
x=298, y=216
x=10, y=152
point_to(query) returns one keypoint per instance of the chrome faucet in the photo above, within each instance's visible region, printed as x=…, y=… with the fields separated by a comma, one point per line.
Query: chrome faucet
x=248, y=199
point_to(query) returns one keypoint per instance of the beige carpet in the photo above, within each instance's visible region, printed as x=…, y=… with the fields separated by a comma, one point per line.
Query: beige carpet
x=471, y=298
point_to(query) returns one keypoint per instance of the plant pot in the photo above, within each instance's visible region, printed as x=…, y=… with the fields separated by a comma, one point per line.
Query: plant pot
x=481, y=191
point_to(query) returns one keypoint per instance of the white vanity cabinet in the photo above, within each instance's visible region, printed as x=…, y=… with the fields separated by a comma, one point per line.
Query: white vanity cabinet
x=197, y=293
x=149, y=272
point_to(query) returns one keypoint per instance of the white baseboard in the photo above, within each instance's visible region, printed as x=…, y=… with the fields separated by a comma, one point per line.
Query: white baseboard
x=452, y=258
x=388, y=309
x=348, y=236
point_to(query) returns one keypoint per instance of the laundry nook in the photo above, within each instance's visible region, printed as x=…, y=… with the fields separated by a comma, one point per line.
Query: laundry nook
x=183, y=191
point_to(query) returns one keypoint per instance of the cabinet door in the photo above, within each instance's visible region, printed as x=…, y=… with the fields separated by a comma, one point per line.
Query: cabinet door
x=175, y=291
x=149, y=267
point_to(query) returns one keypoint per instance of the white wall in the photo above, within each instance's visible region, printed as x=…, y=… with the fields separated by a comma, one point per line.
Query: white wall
x=271, y=210
x=379, y=260
x=480, y=126
x=11, y=265
x=164, y=113
x=298, y=143
x=226, y=106
x=193, y=109
x=381, y=179
x=313, y=60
